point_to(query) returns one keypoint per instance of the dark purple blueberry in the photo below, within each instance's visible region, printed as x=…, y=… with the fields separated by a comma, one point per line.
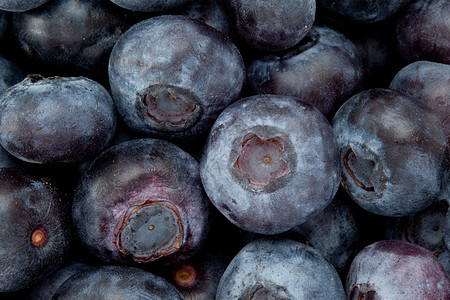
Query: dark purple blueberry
x=423, y=32
x=149, y=5
x=392, y=270
x=10, y=74
x=72, y=34
x=171, y=76
x=270, y=163
x=273, y=25
x=323, y=70
x=56, y=119
x=425, y=228
x=20, y=6
x=141, y=201
x=48, y=287
x=361, y=11
x=333, y=232
x=35, y=230
x=429, y=82
x=393, y=150
x=116, y=282
x=274, y=268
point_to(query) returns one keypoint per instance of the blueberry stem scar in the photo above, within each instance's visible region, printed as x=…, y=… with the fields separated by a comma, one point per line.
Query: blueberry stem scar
x=352, y=174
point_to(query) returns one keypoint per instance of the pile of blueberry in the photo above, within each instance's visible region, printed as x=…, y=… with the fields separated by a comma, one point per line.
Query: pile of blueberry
x=236, y=149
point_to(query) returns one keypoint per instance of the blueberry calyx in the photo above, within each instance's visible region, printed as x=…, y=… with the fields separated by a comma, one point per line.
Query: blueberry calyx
x=150, y=231
x=39, y=237
x=262, y=160
x=357, y=294
x=359, y=169
x=172, y=108
x=185, y=276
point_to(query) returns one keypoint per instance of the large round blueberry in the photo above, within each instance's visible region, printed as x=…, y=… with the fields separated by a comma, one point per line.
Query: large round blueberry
x=116, y=282
x=324, y=70
x=171, y=76
x=20, y=6
x=273, y=268
x=273, y=25
x=392, y=270
x=149, y=5
x=141, y=201
x=393, y=150
x=35, y=229
x=270, y=163
x=56, y=119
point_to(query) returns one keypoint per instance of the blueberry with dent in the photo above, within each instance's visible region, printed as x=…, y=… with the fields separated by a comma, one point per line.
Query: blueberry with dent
x=170, y=76
x=270, y=163
x=141, y=201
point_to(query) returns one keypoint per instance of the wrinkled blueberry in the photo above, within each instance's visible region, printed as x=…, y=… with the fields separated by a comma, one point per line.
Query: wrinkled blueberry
x=270, y=163
x=273, y=25
x=72, y=34
x=56, y=119
x=116, y=282
x=361, y=11
x=20, y=6
x=282, y=269
x=171, y=76
x=35, y=230
x=10, y=74
x=393, y=150
x=149, y=5
x=429, y=82
x=141, y=201
x=392, y=270
x=423, y=32
x=323, y=70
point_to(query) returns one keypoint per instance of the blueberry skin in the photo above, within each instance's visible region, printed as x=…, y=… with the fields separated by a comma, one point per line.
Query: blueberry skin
x=423, y=33
x=116, y=282
x=149, y=5
x=393, y=150
x=123, y=195
x=270, y=163
x=361, y=11
x=10, y=73
x=35, y=229
x=279, y=269
x=171, y=76
x=333, y=232
x=20, y=6
x=429, y=82
x=324, y=70
x=56, y=119
x=72, y=34
x=425, y=228
x=46, y=288
x=393, y=269
x=271, y=25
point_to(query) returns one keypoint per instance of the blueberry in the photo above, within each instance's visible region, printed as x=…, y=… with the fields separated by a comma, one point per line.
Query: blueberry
x=275, y=268
x=46, y=288
x=56, y=119
x=367, y=11
x=396, y=270
x=141, y=201
x=324, y=70
x=149, y=5
x=4, y=18
x=429, y=82
x=393, y=150
x=20, y=6
x=76, y=35
x=422, y=31
x=171, y=76
x=10, y=74
x=273, y=25
x=333, y=232
x=447, y=229
x=35, y=230
x=116, y=282
x=270, y=163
